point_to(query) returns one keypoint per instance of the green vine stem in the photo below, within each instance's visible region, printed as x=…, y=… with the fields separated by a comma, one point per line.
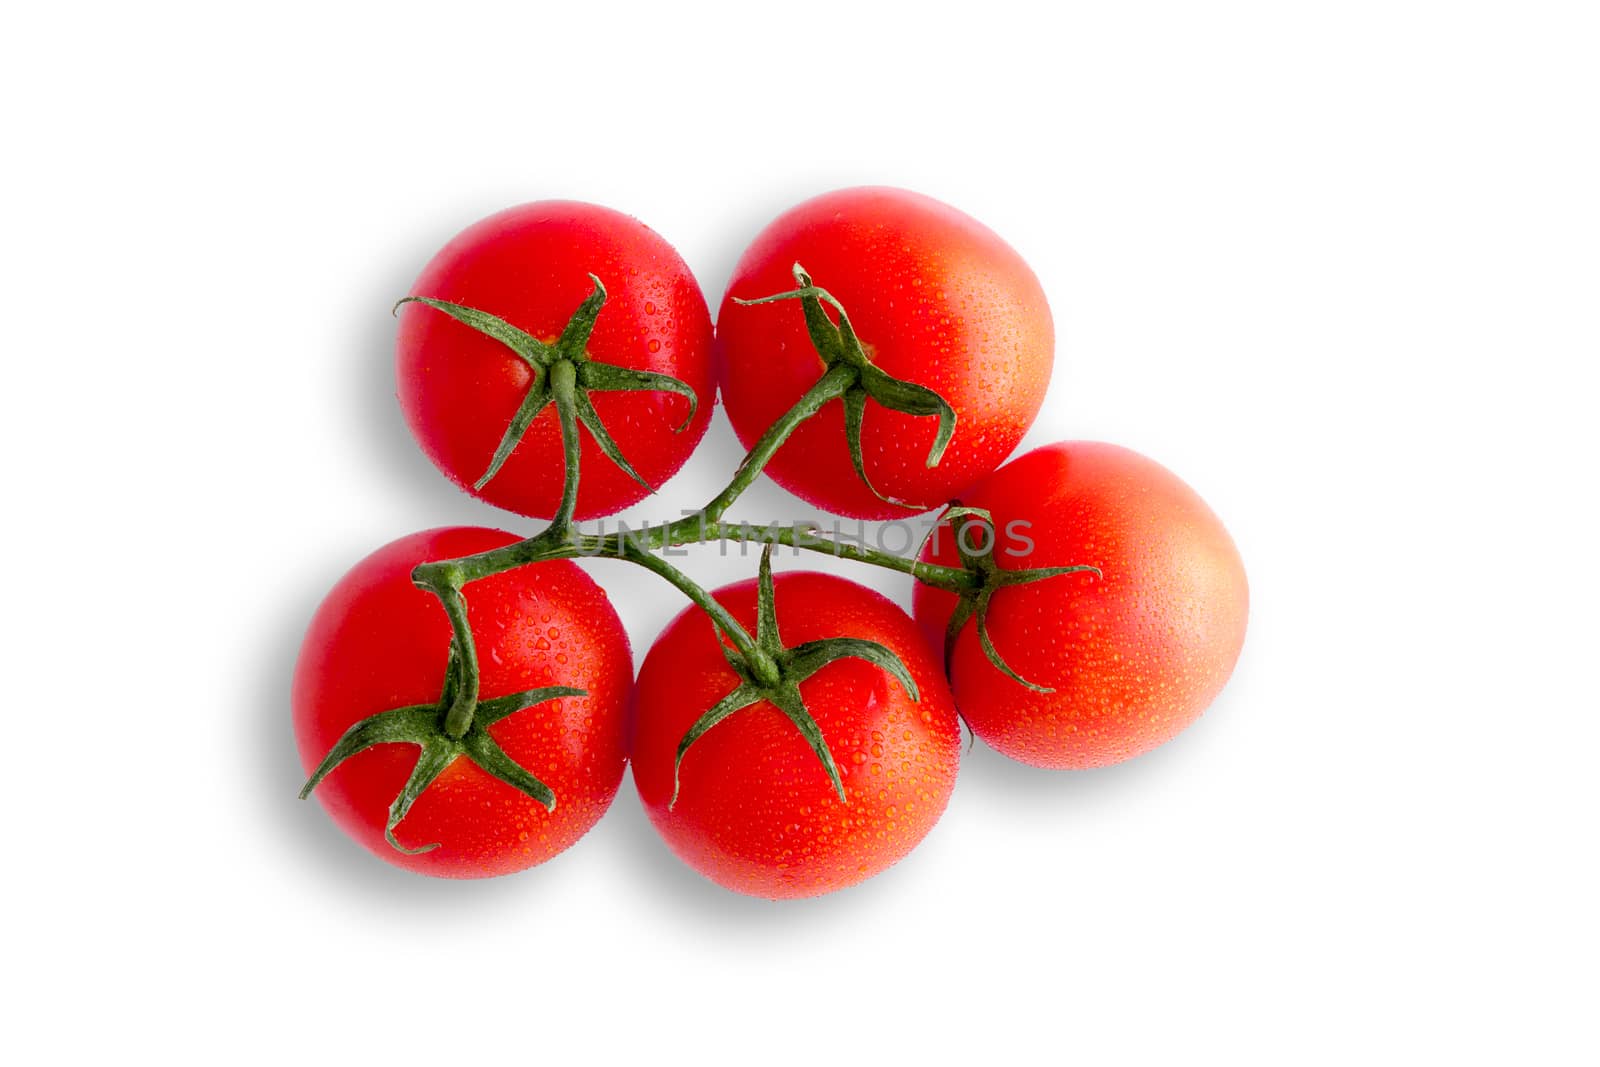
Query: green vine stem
x=846, y=364
x=736, y=633
x=833, y=384
x=564, y=374
x=458, y=717
x=804, y=536
x=563, y=389
x=988, y=578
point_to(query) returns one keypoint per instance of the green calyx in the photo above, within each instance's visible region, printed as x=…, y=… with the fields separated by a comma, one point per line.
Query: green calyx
x=563, y=375
x=988, y=578
x=424, y=725
x=771, y=672
x=838, y=346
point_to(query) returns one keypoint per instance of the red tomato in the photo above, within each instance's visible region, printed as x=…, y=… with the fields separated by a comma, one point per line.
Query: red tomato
x=756, y=811
x=936, y=298
x=530, y=266
x=378, y=642
x=1134, y=656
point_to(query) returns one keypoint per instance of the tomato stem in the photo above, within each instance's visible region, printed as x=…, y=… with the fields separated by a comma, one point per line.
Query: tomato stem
x=838, y=346
x=832, y=384
x=987, y=578
x=563, y=389
x=446, y=585
x=627, y=550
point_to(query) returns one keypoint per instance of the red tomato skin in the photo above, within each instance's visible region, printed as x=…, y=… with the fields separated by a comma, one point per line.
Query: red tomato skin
x=378, y=642
x=530, y=265
x=936, y=298
x=756, y=812
x=1135, y=656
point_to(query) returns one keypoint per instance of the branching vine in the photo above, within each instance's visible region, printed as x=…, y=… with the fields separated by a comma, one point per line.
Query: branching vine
x=563, y=375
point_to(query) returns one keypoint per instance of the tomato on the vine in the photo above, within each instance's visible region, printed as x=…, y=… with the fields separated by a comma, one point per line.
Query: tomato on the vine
x=464, y=701
x=1131, y=656
x=531, y=267
x=378, y=642
x=935, y=298
x=756, y=810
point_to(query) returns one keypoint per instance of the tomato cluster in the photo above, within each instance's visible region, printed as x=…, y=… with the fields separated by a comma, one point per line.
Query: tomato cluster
x=465, y=702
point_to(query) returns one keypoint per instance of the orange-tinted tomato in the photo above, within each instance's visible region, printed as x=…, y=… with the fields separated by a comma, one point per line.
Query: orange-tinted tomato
x=1134, y=656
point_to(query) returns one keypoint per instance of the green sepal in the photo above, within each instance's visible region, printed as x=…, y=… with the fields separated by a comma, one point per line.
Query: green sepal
x=909, y=398
x=993, y=655
x=731, y=654
x=743, y=695
x=778, y=681
x=855, y=406
x=974, y=604
x=804, y=660
x=599, y=377
x=827, y=338
x=532, y=350
x=1038, y=574
x=422, y=725
x=591, y=419
x=437, y=754
x=575, y=335
x=837, y=343
x=487, y=753
x=493, y=710
x=533, y=402
x=788, y=701
x=964, y=609
x=591, y=374
x=415, y=725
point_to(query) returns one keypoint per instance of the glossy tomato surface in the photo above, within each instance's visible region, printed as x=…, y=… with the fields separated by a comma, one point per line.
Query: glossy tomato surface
x=530, y=265
x=378, y=642
x=756, y=811
x=1133, y=657
x=936, y=298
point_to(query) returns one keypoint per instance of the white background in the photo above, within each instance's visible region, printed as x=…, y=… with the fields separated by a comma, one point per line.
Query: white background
x=1337, y=265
